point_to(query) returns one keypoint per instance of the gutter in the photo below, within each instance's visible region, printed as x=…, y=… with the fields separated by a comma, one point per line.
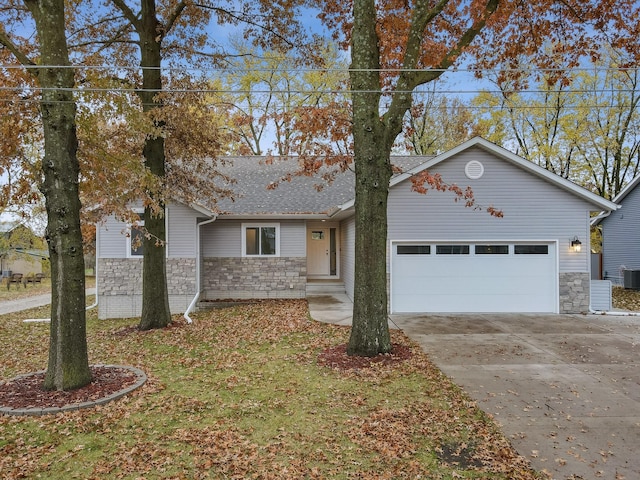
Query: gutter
x=95, y=303
x=614, y=314
x=199, y=291
x=598, y=218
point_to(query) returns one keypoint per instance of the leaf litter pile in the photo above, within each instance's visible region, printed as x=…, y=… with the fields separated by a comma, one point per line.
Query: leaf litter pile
x=626, y=299
x=254, y=391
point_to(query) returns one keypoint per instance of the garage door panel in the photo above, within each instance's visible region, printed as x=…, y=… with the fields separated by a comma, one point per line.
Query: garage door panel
x=443, y=285
x=474, y=283
x=456, y=303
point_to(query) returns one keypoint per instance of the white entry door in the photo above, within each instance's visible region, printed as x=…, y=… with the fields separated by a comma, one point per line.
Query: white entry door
x=318, y=254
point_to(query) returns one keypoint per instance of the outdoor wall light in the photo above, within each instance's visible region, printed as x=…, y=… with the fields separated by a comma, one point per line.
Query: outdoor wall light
x=576, y=245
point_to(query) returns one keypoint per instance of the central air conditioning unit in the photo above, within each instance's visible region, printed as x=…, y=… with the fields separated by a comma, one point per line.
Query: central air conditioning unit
x=632, y=279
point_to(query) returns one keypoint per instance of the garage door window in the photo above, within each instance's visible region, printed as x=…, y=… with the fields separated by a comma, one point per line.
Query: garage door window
x=452, y=249
x=492, y=249
x=531, y=249
x=414, y=249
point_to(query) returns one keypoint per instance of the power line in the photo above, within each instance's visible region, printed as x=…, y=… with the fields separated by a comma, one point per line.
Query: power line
x=236, y=69
x=345, y=91
x=585, y=106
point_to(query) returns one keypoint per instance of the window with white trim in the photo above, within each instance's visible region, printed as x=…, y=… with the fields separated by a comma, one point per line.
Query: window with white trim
x=136, y=236
x=261, y=240
x=452, y=249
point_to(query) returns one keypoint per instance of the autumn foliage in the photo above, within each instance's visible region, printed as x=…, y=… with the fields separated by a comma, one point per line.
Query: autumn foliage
x=424, y=180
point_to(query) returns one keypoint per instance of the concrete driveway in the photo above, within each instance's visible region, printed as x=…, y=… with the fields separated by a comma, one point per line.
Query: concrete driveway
x=564, y=388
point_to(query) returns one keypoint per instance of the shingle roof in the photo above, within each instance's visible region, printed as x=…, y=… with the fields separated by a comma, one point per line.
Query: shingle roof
x=8, y=226
x=302, y=195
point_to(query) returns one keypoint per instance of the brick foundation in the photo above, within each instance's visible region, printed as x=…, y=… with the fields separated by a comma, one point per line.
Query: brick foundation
x=255, y=277
x=574, y=292
x=120, y=286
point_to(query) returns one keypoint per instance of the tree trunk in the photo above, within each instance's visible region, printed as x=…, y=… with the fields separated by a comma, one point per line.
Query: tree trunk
x=370, y=329
x=155, y=296
x=68, y=366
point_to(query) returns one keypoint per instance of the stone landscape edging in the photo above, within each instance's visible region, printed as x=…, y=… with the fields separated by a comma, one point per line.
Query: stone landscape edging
x=141, y=379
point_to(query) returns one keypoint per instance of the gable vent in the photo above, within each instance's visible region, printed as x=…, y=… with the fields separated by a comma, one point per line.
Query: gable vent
x=474, y=170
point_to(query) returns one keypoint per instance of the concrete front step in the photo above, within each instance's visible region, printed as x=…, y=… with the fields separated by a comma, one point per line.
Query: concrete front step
x=324, y=288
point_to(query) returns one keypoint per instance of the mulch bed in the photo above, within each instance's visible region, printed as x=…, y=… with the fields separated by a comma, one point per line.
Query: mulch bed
x=337, y=358
x=26, y=391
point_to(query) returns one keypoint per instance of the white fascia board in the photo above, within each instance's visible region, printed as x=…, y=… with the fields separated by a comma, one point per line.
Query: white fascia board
x=274, y=216
x=626, y=190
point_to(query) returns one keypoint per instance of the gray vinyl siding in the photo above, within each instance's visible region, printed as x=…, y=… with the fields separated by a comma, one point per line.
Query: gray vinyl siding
x=223, y=238
x=533, y=209
x=621, y=238
x=347, y=254
x=293, y=239
x=181, y=231
x=111, y=239
x=601, y=295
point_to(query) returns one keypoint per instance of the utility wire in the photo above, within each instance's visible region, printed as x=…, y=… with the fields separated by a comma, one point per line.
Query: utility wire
x=213, y=91
x=585, y=106
x=294, y=70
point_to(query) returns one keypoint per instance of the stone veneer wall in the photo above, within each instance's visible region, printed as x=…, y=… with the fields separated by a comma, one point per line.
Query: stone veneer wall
x=120, y=286
x=254, y=277
x=575, y=292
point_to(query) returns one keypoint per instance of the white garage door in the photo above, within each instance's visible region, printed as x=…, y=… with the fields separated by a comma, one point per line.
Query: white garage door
x=474, y=277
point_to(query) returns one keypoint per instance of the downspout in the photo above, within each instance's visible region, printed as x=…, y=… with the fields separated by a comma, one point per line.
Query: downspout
x=198, y=292
x=609, y=312
x=95, y=272
x=614, y=314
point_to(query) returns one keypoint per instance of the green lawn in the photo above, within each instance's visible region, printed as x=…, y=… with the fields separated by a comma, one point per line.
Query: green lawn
x=239, y=394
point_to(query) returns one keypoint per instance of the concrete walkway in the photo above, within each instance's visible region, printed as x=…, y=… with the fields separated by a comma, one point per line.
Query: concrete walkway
x=12, y=306
x=564, y=388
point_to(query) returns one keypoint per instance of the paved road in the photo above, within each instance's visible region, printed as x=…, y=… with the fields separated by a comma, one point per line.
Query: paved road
x=11, y=306
x=564, y=388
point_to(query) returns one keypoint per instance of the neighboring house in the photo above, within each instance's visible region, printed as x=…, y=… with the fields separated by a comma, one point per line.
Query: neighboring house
x=18, y=250
x=443, y=256
x=621, y=234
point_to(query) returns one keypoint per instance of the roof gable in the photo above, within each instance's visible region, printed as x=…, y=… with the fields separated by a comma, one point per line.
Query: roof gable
x=510, y=157
x=312, y=196
x=618, y=199
x=626, y=190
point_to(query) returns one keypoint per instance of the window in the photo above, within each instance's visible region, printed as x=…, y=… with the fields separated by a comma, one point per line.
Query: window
x=317, y=235
x=260, y=240
x=531, y=249
x=136, y=236
x=414, y=249
x=492, y=249
x=452, y=249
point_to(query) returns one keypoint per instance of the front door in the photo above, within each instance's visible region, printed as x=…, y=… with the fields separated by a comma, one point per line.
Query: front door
x=318, y=251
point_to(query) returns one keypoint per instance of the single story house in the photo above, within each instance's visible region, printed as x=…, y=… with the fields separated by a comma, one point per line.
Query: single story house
x=442, y=256
x=18, y=252
x=621, y=235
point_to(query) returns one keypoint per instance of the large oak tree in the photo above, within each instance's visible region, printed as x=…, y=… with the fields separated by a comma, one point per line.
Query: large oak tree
x=397, y=46
x=68, y=365
x=165, y=37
